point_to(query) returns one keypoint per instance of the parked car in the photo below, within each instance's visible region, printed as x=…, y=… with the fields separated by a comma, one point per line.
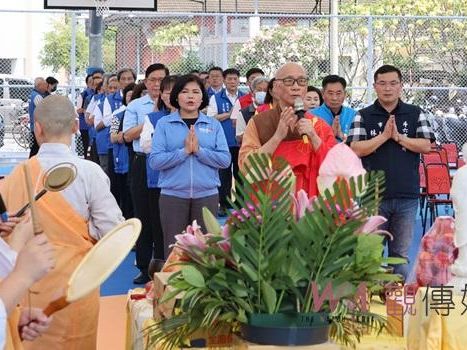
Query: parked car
x=12, y=87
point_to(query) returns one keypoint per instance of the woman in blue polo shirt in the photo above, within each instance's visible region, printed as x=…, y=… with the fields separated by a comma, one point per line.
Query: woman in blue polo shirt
x=188, y=149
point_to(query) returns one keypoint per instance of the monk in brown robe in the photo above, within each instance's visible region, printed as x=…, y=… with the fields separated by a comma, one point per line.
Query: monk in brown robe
x=303, y=143
x=73, y=221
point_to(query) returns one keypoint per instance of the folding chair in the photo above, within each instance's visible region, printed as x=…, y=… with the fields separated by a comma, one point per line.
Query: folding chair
x=438, y=183
x=453, y=155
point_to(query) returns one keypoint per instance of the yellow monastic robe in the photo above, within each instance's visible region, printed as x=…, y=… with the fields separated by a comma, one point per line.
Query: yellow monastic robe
x=74, y=327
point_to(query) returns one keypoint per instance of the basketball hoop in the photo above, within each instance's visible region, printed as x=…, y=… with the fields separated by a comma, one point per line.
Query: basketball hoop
x=102, y=7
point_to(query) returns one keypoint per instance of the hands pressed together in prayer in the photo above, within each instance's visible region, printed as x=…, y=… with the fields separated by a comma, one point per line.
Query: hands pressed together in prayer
x=336, y=128
x=191, y=142
x=390, y=130
x=288, y=121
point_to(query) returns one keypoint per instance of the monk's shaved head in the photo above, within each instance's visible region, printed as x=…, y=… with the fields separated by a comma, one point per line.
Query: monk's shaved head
x=56, y=115
x=290, y=68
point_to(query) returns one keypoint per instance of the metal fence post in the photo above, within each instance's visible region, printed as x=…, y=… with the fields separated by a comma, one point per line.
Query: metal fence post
x=225, y=61
x=370, y=57
x=73, y=57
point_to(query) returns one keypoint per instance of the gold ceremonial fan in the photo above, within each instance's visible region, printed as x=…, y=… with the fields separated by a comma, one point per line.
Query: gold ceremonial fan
x=99, y=263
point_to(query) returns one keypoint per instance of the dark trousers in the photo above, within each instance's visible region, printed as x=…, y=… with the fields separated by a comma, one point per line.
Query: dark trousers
x=122, y=194
x=146, y=207
x=85, y=140
x=178, y=213
x=225, y=176
x=34, y=146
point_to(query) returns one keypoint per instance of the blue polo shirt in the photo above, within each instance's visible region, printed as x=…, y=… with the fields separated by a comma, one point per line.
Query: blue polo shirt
x=134, y=116
x=346, y=116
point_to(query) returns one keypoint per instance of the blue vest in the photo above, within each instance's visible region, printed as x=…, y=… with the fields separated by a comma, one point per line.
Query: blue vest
x=32, y=107
x=103, y=135
x=346, y=116
x=120, y=153
x=153, y=175
x=115, y=100
x=211, y=92
x=400, y=165
x=84, y=95
x=224, y=105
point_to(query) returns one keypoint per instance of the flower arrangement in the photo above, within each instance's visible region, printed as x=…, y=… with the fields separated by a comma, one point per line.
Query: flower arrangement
x=279, y=253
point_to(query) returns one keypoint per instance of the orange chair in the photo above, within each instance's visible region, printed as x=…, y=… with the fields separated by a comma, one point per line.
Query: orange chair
x=438, y=183
x=453, y=155
x=432, y=157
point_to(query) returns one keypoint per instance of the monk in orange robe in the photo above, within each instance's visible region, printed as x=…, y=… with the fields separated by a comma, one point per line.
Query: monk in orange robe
x=73, y=221
x=303, y=143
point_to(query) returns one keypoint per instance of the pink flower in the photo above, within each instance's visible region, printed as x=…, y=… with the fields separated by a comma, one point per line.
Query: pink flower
x=340, y=162
x=301, y=203
x=371, y=226
x=192, y=237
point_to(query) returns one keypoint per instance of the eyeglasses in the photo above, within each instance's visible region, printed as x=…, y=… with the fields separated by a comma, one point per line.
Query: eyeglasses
x=393, y=83
x=291, y=81
x=154, y=80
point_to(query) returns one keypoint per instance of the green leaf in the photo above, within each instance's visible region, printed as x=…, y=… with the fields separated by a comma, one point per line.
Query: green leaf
x=212, y=225
x=270, y=296
x=193, y=276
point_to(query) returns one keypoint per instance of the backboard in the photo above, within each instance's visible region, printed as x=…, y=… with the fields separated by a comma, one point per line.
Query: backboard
x=122, y=5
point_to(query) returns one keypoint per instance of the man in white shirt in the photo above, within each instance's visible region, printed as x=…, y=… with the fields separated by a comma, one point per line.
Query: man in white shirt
x=220, y=107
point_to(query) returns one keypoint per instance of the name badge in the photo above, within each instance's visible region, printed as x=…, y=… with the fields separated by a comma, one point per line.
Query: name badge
x=205, y=129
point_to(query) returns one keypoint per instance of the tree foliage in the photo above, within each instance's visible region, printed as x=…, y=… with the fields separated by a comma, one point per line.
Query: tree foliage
x=414, y=44
x=57, y=45
x=273, y=47
x=173, y=34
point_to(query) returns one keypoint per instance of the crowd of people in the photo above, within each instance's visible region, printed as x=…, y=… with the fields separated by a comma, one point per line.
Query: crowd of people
x=172, y=144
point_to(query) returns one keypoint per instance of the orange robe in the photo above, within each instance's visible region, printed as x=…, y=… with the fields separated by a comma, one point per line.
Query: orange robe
x=74, y=327
x=304, y=160
x=12, y=337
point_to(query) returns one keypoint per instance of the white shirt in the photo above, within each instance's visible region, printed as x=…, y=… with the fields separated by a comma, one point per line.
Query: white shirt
x=102, y=117
x=236, y=110
x=89, y=194
x=92, y=105
x=7, y=259
x=212, y=107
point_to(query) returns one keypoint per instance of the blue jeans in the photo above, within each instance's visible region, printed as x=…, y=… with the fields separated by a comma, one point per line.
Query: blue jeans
x=400, y=213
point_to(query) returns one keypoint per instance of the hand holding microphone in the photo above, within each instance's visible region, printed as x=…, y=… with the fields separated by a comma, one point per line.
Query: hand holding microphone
x=299, y=110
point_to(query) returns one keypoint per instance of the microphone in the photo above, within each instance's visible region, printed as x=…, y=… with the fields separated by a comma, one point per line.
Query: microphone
x=299, y=110
x=3, y=212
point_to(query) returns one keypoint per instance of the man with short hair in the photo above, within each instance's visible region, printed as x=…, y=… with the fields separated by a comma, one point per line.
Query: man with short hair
x=215, y=80
x=280, y=133
x=220, y=106
x=246, y=100
x=332, y=110
x=389, y=135
x=72, y=220
x=145, y=200
x=37, y=94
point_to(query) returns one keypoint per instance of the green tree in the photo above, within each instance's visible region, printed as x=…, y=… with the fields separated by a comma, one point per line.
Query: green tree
x=410, y=43
x=56, y=50
x=172, y=39
x=273, y=47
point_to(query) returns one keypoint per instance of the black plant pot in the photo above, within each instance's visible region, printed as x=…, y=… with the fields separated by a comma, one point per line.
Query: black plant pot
x=287, y=329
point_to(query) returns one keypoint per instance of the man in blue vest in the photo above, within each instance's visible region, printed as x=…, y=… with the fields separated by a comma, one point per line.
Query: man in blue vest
x=389, y=135
x=332, y=110
x=220, y=107
x=215, y=80
x=37, y=95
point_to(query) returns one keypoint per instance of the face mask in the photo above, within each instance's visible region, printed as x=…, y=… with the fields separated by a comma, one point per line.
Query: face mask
x=259, y=97
x=53, y=89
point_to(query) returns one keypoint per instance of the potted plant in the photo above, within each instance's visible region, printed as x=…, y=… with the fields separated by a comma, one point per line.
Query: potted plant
x=283, y=266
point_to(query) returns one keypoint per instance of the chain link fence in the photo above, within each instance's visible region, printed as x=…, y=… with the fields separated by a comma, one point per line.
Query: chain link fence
x=430, y=51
